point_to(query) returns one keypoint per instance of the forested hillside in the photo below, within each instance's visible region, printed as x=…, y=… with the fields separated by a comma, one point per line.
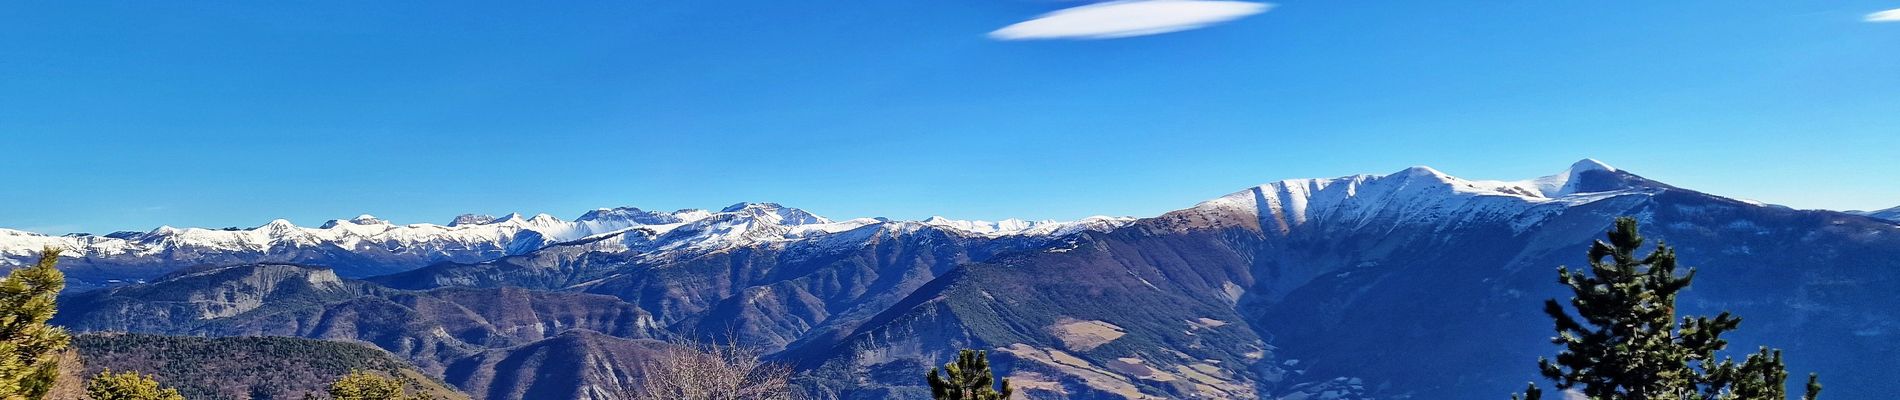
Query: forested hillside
x=245, y=368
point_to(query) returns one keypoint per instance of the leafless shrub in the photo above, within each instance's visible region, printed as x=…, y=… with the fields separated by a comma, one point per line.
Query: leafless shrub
x=688, y=370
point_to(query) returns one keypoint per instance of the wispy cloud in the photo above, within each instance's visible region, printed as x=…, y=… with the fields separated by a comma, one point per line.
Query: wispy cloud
x=1885, y=16
x=1126, y=18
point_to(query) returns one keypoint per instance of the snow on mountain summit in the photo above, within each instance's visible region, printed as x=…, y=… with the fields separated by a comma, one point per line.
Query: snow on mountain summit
x=777, y=213
x=1566, y=182
x=472, y=236
x=471, y=219
x=380, y=246
x=1418, y=193
x=367, y=245
x=1012, y=226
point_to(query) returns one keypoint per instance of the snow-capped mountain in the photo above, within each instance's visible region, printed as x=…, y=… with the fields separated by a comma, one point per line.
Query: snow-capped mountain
x=1009, y=227
x=1409, y=285
x=1419, y=194
x=366, y=245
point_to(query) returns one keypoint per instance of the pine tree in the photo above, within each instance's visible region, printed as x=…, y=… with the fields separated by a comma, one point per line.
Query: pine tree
x=359, y=385
x=1628, y=345
x=29, y=348
x=128, y=386
x=969, y=378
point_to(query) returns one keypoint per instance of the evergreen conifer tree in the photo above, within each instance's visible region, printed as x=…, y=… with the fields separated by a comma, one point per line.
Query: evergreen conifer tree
x=968, y=378
x=128, y=386
x=1628, y=344
x=29, y=348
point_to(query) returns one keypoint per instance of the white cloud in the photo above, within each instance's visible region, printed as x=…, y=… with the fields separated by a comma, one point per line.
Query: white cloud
x=1119, y=19
x=1885, y=16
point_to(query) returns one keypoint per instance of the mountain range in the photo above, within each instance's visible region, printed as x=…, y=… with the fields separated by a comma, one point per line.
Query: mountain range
x=230, y=368
x=1409, y=285
x=366, y=245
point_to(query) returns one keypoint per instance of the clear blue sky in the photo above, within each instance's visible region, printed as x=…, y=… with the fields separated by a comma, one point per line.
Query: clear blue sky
x=128, y=115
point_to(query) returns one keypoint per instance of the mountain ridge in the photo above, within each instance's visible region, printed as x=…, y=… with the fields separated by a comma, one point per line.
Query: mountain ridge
x=366, y=245
x=1279, y=291
x=1890, y=214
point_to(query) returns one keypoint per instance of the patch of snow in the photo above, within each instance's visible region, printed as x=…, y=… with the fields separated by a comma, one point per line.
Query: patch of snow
x=1017, y=227
x=1413, y=194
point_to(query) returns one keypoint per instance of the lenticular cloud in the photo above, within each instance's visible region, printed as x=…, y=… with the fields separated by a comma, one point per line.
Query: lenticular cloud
x=1885, y=16
x=1119, y=19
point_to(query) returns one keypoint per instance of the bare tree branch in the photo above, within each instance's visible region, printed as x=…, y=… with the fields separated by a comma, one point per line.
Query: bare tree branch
x=688, y=370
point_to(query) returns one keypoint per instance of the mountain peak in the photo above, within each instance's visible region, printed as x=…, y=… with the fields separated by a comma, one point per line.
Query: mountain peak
x=1016, y=226
x=1584, y=176
x=1421, y=171
x=783, y=215
x=632, y=214
x=1589, y=164
x=471, y=219
x=364, y=219
x=1420, y=191
x=736, y=207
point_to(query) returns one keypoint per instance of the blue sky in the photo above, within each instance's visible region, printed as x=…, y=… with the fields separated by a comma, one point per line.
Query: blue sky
x=128, y=115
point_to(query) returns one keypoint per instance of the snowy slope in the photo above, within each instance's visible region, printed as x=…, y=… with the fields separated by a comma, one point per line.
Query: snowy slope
x=1423, y=194
x=1009, y=227
x=769, y=224
x=1414, y=197
x=1292, y=288
x=363, y=233
x=366, y=245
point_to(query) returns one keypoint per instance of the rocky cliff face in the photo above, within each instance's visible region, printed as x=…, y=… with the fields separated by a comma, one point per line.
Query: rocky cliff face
x=1410, y=285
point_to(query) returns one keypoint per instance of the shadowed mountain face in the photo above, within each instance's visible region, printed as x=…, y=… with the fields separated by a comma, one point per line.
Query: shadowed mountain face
x=257, y=368
x=577, y=364
x=1370, y=300
x=769, y=295
x=1410, y=285
x=365, y=245
x=431, y=328
x=1891, y=214
x=509, y=341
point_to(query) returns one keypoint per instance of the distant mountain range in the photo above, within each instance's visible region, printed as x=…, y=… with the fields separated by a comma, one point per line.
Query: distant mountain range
x=1410, y=285
x=365, y=245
